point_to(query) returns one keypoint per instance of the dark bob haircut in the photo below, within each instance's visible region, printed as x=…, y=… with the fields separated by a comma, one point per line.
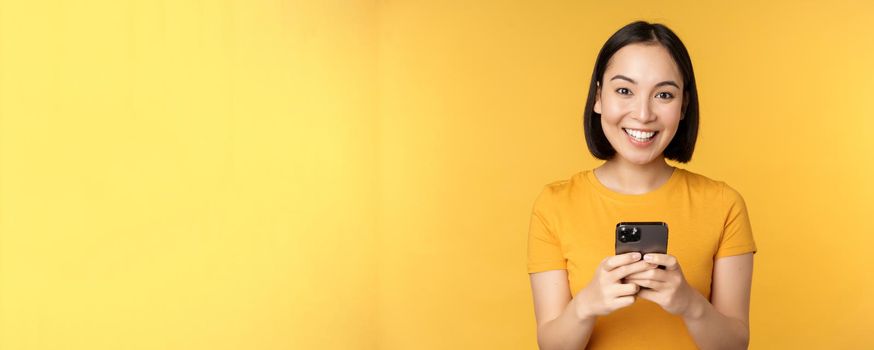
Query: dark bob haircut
x=683, y=144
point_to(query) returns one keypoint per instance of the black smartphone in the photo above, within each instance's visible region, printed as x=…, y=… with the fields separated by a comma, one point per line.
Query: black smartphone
x=642, y=237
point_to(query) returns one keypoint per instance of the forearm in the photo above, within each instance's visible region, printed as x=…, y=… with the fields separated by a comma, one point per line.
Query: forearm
x=711, y=329
x=570, y=330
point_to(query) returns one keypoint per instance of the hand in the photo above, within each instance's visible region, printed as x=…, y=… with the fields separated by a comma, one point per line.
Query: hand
x=606, y=293
x=667, y=287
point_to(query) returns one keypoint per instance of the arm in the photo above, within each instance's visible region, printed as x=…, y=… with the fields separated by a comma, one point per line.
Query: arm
x=724, y=323
x=566, y=323
x=559, y=325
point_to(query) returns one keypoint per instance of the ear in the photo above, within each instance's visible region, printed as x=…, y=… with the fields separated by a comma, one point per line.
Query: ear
x=597, y=107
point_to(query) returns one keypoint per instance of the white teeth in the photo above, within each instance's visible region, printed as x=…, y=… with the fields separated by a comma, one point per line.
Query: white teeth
x=643, y=135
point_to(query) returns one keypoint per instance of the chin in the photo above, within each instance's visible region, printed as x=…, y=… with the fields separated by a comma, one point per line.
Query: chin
x=638, y=159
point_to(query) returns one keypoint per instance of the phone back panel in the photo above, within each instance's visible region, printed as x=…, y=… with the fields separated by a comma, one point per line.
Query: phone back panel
x=653, y=238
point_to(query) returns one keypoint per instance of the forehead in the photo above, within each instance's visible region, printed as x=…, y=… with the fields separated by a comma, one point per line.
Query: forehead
x=645, y=63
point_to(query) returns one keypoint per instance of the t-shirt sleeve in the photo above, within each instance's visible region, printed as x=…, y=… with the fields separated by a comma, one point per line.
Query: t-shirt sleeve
x=737, y=234
x=544, y=247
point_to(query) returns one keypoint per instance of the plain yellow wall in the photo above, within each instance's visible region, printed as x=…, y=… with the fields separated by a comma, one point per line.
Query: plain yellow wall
x=359, y=174
x=187, y=175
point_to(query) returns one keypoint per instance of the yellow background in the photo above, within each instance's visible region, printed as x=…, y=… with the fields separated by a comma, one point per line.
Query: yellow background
x=359, y=174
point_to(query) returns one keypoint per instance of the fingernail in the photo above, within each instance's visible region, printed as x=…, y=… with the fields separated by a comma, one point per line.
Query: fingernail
x=635, y=256
x=647, y=258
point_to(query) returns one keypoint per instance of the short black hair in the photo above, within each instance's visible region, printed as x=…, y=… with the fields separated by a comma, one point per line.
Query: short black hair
x=682, y=145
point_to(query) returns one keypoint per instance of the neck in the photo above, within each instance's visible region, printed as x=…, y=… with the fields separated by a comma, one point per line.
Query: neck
x=620, y=175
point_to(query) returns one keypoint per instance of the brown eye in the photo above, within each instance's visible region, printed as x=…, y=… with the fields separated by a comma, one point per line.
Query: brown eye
x=622, y=91
x=665, y=95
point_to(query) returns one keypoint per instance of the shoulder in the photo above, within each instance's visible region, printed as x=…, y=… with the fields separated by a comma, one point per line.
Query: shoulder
x=713, y=188
x=556, y=191
x=702, y=182
x=564, y=187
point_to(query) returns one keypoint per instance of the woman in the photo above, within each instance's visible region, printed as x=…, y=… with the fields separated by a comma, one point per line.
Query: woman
x=642, y=109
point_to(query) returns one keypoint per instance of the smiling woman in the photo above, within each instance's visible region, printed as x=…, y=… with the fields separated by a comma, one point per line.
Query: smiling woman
x=642, y=109
x=660, y=108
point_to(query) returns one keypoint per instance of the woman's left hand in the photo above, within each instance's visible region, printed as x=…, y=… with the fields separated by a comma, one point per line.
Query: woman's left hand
x=667, y=287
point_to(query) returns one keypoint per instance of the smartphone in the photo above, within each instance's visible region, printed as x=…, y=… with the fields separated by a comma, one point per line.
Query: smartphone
x=642, y=237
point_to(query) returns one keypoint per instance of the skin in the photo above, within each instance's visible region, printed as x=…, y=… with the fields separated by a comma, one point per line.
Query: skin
x=647, y=103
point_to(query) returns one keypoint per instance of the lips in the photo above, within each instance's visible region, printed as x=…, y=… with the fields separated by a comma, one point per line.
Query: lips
x=640, y=135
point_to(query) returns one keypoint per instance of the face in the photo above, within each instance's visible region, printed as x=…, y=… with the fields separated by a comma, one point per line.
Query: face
x=641, y=102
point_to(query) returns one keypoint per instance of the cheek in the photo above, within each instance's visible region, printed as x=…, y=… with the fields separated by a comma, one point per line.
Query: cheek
x=669, y=115
x=612, y=110
x=669, y=111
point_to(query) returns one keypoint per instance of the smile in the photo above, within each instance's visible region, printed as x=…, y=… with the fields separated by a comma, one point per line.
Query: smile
x=642, y=137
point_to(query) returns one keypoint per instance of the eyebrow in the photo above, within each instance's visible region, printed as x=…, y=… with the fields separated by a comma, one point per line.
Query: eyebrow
x=666, y=82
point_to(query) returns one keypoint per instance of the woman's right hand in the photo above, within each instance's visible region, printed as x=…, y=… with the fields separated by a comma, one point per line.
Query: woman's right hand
x=606, y=293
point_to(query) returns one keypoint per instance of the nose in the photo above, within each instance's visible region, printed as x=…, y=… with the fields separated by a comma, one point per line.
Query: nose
x=644, y=113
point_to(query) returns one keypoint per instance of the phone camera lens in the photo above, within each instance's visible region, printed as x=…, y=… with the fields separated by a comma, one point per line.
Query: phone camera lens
x=628, y=234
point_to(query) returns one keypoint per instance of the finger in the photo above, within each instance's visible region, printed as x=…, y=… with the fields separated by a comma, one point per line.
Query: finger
x=668, y=261
x=650, y=274
x=636, y=269
x=655, y=275
x=648, y=294
x=647, y=283
x=615, y=261
x=624, y=289
x=621, y=302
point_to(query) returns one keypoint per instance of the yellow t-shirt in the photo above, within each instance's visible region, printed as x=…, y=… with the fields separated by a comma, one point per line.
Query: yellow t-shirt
x=573, y=225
